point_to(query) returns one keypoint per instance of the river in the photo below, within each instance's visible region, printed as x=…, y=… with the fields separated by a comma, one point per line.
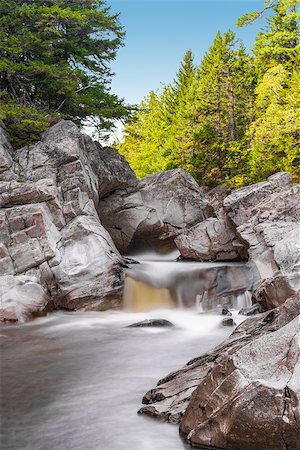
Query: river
x=75, y=380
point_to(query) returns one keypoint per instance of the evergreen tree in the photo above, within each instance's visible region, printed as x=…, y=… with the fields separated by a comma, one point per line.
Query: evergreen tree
x=225, y=92
x=275, y=134
x=279, y=42
x=54, y=61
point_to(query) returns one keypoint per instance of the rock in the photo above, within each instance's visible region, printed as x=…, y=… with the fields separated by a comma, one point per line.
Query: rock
x=88, y=272
x=254, y=309
x=273, y=292
x=151, y=323
x=239, y=205
x=225, y=311
x=21, y=297
x=253, y=389
x=49, y=227
x=228, y=322
x=281, y=179
x=218, y=395
x=211, y=240
x=160, y=207
x=5, y=150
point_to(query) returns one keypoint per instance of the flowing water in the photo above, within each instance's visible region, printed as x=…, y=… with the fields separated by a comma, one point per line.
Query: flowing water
x=74, y=381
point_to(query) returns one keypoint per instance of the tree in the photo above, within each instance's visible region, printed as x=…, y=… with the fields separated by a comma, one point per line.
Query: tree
x=279, y=42
x=54, y=61
x=274, y=135
x=225, y=107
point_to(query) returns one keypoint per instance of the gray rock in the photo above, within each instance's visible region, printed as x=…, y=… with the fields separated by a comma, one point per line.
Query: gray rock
x=160, y=206
x=89, y=272
x=21, y=297
x=228, y=322
x=281, y=179
x=239, y=205
x=216, y=389
x=151, y=323
x=211, y=240
x=248, y=391
x=5, y=150
x=254, y=309
x=49, y=227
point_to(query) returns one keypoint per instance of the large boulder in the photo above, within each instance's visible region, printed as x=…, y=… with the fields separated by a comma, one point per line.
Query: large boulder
x=49, y=227
x=161, y=206
x=250, y=398
x=244, y=394
x=212, y=240
x=22, y=297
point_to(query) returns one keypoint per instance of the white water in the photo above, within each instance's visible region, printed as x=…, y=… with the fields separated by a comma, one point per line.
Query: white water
x=74, y=381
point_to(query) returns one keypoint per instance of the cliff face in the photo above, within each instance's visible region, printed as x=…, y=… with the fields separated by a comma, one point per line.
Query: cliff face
x=54, y=252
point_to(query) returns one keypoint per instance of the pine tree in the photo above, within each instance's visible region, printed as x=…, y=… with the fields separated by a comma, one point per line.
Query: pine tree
x=225, y=92
x=54, y=61
x=274, y=135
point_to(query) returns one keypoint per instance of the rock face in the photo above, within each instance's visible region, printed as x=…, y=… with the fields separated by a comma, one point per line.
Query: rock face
x=250, y=398
x=260, y=223
x=53, y=247
x=245, y=393
x=160, y=206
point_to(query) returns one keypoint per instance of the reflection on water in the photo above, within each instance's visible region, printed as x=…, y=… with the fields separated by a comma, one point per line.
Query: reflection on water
x=75, y=380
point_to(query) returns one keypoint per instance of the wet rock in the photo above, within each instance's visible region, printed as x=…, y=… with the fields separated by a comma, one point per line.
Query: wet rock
x=225, y=311
x=228, y=322
x=273, y=292
x=251, y=390
x=160, y=206
x=152, y=323
x=221, y=397
x=253, y=310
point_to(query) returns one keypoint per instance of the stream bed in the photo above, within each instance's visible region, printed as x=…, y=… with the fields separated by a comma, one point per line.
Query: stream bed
x=75, y=380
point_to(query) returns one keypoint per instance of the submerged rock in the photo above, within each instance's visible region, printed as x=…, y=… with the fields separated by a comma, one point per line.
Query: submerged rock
x=152, y=323
x=228, y=322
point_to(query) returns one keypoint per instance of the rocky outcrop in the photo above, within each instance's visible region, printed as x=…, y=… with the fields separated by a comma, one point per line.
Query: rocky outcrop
x=250, y=398
x=260, y=223
x=54, y=249
x=212, y=240
x=229, y=397
x=160, y=206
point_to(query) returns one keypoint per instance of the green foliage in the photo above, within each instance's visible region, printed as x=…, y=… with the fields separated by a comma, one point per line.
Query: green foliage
x=54, y=61
x=234, y=118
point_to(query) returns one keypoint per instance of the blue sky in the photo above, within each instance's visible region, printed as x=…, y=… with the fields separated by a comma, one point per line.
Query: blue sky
x=158, y=33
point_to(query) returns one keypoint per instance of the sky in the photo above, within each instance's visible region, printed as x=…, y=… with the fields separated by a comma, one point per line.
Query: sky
x=159, y=32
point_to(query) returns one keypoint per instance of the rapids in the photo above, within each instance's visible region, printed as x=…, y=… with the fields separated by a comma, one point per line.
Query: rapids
x=75, y=380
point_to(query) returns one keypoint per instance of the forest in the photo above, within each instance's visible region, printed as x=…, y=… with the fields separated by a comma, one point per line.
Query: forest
x=235, y=118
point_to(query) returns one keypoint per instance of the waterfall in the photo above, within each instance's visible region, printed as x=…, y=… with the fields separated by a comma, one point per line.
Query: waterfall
x=244, y=300
x=164, y=284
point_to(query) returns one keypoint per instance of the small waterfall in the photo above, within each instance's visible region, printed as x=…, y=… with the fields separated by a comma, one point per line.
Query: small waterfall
x=244, y=300
x=139, y=296
x=164, y=284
